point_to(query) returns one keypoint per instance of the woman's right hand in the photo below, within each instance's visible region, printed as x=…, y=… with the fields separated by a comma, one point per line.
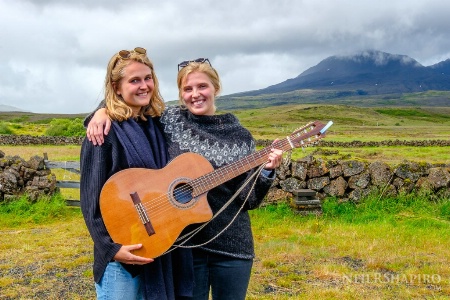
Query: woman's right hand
x=98, y=127
x=125, y=256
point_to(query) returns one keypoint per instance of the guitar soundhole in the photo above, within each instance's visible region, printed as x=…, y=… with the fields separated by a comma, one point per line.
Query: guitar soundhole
x=183, y=193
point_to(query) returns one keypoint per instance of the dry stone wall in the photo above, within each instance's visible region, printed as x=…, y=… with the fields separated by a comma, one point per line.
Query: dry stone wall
x=360, y=144
x=353, y=179
x=23, y=140
x=345, y=179
x=59, y=140
x=19, y=176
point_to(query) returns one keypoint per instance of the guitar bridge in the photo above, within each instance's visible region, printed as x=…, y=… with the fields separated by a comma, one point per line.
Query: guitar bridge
x=142, y=213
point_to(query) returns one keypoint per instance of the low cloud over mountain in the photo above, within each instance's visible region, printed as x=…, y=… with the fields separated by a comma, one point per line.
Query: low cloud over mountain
x=367, y=73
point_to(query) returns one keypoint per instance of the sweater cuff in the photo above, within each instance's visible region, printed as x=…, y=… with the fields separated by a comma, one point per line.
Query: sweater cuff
x=268, y=173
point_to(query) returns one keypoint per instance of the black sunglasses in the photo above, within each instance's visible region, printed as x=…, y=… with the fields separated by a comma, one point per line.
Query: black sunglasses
x=125, y=54
x=183, y=64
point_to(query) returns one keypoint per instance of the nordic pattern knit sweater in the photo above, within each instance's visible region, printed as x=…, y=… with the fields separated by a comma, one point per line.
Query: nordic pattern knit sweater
x=222, y=140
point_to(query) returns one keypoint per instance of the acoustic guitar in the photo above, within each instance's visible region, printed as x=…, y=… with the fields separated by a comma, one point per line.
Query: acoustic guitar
x=152, y=207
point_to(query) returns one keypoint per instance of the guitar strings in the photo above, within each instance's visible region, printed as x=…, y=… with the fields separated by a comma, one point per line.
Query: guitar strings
x=159, y=206
x=223, y=171
x=205, y=181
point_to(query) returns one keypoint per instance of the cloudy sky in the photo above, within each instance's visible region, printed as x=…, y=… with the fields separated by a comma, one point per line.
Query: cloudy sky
x=53, y=53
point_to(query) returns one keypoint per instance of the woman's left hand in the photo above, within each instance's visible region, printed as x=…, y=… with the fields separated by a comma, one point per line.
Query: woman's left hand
x=275, y=159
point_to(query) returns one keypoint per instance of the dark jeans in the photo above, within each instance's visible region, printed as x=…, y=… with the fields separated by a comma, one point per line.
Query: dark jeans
x=227, y=277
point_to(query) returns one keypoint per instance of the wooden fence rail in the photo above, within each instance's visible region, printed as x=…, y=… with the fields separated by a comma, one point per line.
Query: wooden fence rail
x=71, y=166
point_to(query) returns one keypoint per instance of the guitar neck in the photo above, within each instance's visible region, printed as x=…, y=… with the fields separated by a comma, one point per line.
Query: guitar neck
x=301, y=137
x=225, y=173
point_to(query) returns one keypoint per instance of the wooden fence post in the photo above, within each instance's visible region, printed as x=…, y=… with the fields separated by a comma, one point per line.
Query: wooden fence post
x=71, y=166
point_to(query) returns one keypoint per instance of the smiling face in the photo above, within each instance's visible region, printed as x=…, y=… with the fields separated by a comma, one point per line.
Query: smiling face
x=198, y=94
x=136, y=86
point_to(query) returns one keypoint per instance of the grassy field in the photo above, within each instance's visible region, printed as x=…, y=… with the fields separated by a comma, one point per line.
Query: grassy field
x=389, y=249
x=381, y=249
x=356, y=255
x=350, y=124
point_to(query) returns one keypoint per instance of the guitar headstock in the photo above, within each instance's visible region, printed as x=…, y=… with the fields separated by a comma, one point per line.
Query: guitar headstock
x=309, y=134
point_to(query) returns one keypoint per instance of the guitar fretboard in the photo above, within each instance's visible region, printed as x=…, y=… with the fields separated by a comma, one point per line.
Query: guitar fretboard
x=223, y=174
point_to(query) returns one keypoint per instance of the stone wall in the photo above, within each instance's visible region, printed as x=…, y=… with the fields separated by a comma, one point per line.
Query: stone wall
x=358, y=144
x=18, y=176
x=345, y=179
x=353, y=179
x=23, y=140
x=17, y=140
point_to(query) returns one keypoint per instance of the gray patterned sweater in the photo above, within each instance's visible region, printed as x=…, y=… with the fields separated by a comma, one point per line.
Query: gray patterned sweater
x=222, y=140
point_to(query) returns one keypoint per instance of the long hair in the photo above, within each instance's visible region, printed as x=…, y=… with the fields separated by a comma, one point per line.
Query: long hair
x=205, y=68
x=116, y=108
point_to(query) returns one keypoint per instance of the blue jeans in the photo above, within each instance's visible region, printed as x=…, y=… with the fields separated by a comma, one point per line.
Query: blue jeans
x=118, y=284
x=227, y=277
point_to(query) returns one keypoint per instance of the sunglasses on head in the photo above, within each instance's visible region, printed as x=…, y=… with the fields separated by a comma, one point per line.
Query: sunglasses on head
x=125, y=54
x=183, y=64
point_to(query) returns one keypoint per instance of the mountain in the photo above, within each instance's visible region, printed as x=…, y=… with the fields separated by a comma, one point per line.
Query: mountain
x=9, y=108
x=443, y=67
x=365, y=73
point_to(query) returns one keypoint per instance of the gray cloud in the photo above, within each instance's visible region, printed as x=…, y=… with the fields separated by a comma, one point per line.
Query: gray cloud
x=53, y=53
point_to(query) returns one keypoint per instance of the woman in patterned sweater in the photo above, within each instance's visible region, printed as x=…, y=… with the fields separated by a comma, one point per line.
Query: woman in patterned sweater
x=224, y=251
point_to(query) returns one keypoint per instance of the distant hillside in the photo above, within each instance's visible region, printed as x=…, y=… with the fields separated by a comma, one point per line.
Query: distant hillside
x=371, y=77
x=17, y=116
x=9, y=108
x=442, y=67
x=371, y=72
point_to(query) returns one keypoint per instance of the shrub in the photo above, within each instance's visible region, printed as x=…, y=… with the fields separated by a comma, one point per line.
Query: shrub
x=66, y=127
x=4, y=129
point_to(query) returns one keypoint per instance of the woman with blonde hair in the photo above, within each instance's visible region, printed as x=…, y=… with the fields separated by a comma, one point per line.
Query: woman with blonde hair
x=224, y=252
x=134, y=105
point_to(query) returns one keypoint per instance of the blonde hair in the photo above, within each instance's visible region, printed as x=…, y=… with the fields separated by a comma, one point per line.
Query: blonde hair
x=192, y=67
x=116, y=108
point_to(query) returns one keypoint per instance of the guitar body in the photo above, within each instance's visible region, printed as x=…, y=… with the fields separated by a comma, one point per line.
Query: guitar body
x=139, y=206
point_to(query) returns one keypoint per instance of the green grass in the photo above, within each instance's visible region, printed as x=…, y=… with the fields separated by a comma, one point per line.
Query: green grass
x=24, y=211
x=385, y=209
x=350, y=122
x=20, y=123
x=381, y=248
x=404, y=113
x=54, y=152
x=391, y=155
x=378, y=249
x=45, y=251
